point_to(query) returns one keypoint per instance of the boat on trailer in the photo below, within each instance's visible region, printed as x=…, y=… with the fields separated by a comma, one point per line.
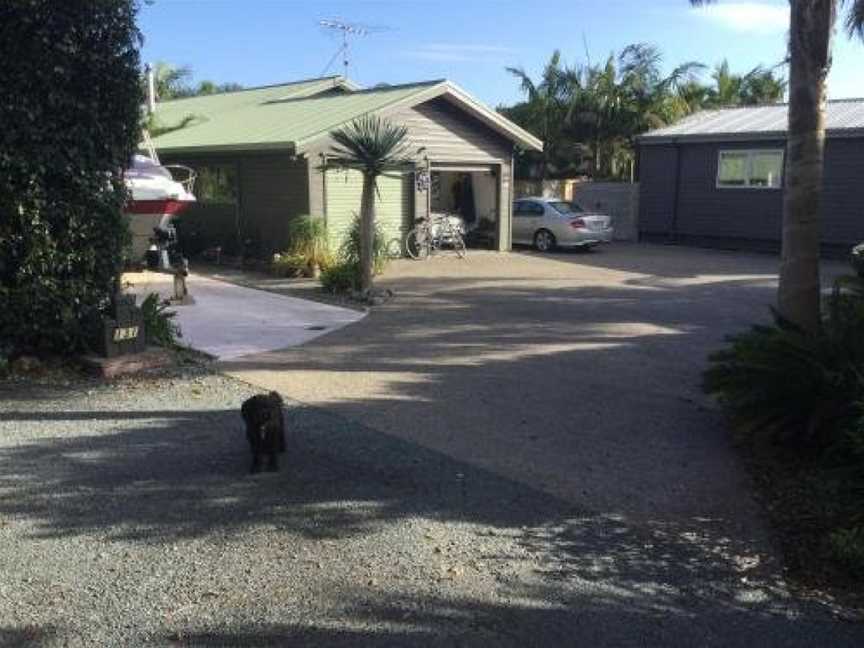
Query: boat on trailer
x=157, y=194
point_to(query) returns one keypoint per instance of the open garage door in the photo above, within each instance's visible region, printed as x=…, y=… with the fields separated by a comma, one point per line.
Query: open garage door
x=393, y=203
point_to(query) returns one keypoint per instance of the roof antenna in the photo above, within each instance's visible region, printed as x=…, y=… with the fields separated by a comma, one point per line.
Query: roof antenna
x=347, y=29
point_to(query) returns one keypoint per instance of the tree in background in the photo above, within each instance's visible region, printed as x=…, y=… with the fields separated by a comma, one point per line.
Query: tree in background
x=810, y=31
x=70, y=124
x=758, y=86
x=173, y=82
x=546, y=106
x=589, y=115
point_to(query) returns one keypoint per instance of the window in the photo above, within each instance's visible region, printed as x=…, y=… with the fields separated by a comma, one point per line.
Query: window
x=756, y=169
x=216, y=184
x=527, y=209
x=566, y=208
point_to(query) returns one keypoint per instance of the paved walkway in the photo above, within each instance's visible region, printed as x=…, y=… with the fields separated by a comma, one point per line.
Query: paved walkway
x=229, y=321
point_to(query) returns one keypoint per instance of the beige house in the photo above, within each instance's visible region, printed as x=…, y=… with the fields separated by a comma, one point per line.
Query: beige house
x=261, y=156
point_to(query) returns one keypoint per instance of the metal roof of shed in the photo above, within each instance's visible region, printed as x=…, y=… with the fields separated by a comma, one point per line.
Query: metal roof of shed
x=292, y=116
x=844, y=117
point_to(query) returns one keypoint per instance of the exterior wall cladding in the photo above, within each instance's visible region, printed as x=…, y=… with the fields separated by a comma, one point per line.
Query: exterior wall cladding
x=746, y=218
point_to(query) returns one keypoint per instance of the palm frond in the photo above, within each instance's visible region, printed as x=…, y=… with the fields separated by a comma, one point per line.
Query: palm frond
x=371, y=144
x=855, y=19
x=525, y=81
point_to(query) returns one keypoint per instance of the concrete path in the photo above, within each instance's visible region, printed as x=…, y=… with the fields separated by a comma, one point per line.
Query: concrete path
x=230, y=321
x=578, y=376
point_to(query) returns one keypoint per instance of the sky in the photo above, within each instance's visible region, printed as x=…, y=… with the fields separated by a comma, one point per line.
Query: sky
x=260, y=42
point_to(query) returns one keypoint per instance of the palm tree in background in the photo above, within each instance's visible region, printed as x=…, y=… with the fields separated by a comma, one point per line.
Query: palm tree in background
x=610, y=104
x=761, y=86
x=545, y=107
x=171, y=81
x=810, y=31
x=727, y=86
x=370, y=145
x=589, y=115
x=758, y=86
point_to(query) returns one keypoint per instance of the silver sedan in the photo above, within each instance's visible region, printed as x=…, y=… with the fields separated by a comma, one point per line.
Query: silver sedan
x=547, y=223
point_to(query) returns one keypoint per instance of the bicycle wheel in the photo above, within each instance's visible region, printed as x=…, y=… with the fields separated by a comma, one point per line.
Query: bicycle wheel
x=417, y=244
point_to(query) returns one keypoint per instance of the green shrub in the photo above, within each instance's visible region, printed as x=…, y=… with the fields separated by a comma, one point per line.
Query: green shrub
x=73, y=70
x=289, y=265
x=308, y=240
x=341, y=277
x=349, y=251
x=847, y=548
x=793, y=386
x=159, y=325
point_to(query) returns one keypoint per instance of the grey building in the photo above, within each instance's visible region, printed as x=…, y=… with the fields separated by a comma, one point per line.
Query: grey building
x=716, y=178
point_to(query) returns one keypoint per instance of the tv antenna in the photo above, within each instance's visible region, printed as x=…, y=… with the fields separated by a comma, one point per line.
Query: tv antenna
x=348, y=30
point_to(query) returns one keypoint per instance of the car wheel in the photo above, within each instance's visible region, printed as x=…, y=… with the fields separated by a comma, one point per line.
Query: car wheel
x=544, y=241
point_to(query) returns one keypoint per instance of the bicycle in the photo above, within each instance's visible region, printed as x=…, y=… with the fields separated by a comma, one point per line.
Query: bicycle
x=431, y=235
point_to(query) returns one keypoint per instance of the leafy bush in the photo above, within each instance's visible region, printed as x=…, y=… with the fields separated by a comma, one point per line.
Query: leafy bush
x=308, y=237
x=159, y=325
x=792, y=385
x=73, y=71
x=341, y=277
x=807, y=391
x=289, y=265
x=349, y=251
x=847, y=548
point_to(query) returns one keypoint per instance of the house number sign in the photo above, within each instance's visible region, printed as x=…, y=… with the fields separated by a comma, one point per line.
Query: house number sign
x=127, y=333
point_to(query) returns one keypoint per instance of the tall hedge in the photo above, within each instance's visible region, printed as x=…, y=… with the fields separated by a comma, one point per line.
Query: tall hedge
x=70, y=98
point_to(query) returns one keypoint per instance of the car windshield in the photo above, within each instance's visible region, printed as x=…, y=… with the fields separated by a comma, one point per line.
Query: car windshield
x=565, y=208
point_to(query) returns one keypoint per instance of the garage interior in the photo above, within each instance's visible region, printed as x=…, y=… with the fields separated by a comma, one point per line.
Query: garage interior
x=470, y=192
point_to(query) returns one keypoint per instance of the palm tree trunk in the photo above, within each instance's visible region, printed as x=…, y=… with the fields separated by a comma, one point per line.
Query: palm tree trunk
x=367, y=232
x=810, y=59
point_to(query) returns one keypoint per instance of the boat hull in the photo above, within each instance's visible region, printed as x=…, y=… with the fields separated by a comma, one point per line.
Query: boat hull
x=146, y=215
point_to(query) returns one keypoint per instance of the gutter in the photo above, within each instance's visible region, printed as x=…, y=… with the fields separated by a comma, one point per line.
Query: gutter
x=719, y=138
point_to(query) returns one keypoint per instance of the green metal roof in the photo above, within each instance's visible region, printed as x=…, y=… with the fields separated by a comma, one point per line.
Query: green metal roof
x=291, y=115
x=172, y=111
x=273, y=117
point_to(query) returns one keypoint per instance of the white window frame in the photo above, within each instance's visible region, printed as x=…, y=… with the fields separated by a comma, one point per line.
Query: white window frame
x=750, y=154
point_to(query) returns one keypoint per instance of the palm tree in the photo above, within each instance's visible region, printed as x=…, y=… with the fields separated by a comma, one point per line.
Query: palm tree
x=727, y=86
x=610, y=104
x=171, y=81
x=545, y=106
x=760, y=86
x=812, y=24
x=370, y=145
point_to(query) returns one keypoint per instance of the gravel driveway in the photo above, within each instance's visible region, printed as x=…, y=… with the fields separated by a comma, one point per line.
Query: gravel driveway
x=436, y=492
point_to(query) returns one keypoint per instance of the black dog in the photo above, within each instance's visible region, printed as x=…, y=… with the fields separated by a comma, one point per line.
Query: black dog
x=265, y=429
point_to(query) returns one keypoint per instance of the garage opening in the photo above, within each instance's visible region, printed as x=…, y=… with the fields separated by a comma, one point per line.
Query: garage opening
x=468, y=194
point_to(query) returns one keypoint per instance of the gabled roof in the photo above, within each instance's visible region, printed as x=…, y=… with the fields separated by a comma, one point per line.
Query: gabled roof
x=294, y=116
x=844, y=117
x=173, y=111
